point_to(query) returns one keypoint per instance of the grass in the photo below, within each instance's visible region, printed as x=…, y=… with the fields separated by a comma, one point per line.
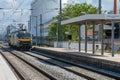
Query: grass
x=118, y=52
x=43, y=45
x=108, y=51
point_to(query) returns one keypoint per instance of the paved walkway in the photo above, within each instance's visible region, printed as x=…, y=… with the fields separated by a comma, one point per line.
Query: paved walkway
x=5, y=71
x=106, y=56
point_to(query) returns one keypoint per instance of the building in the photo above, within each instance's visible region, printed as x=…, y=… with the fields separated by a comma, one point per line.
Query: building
x=42, y=13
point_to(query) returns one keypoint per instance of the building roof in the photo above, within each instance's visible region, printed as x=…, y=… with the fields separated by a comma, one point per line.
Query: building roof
x=93, y=18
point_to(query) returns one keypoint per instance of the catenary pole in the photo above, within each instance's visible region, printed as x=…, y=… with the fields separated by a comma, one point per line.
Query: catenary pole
x=61, y=36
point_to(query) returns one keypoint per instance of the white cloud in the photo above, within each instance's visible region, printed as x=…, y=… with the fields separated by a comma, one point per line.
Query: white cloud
x=89, y=1
x=12, y=3
x=106, y=4
x=64, y=1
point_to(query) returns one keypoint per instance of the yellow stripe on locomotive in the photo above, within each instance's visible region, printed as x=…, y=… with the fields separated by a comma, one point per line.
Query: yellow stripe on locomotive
x=24, y=40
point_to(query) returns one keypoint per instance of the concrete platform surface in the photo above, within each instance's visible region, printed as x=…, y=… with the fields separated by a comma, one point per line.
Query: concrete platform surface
x=5, y=71
x=106, y=56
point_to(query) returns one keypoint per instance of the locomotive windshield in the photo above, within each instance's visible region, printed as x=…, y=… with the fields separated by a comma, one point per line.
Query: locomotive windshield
x=24, y=35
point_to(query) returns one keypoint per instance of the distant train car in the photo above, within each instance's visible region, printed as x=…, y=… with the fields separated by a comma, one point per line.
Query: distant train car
x=20, y=39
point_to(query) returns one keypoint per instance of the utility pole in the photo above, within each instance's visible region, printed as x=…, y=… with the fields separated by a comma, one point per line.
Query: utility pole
x=61, y=36
x=36, y=31
x=113, y=25
x=101, y=38
x=41, y=39
x=100, y=7
x=100, y=29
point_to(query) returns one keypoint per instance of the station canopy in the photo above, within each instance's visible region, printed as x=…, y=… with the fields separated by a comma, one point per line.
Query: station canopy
x=93, y=19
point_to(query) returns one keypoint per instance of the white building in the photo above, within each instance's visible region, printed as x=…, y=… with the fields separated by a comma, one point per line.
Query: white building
x=48, y=9
x=42, y=12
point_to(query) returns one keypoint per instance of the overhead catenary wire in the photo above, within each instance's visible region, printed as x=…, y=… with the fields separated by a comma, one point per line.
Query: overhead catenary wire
x=17, y=8
x=9, y=17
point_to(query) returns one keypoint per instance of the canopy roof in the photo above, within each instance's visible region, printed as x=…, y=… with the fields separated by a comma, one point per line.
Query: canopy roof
x=93, y=19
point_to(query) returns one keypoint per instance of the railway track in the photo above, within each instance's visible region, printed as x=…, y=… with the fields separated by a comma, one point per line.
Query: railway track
x=58, y=73
x=25, y=70
x=104, y=72
x=56, y=63
x=75, y=68
x=61, y=64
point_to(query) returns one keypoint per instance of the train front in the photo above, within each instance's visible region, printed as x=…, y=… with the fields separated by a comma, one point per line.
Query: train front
x=25, y=40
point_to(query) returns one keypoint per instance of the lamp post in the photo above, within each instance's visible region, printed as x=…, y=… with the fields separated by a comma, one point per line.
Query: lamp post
x=42, y=36
x=36, y=38
x=57, y=23
x=36, y=31
x=57, y=33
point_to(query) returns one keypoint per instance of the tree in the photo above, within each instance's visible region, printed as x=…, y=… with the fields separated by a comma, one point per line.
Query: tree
x=71, y=11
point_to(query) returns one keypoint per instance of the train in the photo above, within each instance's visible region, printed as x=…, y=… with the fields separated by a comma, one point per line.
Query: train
x=20, y=39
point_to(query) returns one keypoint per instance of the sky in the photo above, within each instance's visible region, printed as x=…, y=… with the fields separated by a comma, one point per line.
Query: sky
x=19, y=10
x=106, y=4
x=14, y=10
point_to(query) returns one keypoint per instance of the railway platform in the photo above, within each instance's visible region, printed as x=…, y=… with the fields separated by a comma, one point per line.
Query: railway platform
x=106, y=61
x=97, y=55
x=5, y=71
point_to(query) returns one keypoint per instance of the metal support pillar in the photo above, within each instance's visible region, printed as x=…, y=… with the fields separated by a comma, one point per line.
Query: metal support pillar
x=119, y=30
x=79, y=33
x=93, y=47
x=30, y=23
x=86, y=37
x=40, y=29
x=102, y=40
x=36, y=31
x=112, y=40
x=100, y=11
